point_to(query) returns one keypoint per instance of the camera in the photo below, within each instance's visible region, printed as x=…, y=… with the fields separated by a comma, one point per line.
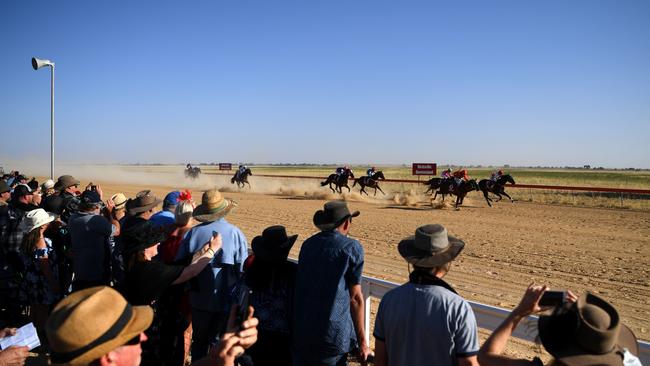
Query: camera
x=243, y=298
x=553, y=298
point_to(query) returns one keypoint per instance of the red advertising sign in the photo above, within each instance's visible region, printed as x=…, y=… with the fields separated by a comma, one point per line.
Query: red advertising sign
x=225, y=166
x=424, y=169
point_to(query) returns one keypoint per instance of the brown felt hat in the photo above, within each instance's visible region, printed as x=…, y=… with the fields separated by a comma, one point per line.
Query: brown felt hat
x=588, y=332
x=213, y=206
x=430, y=247
x=64, y=182
x=92, y=322
x=143, y=201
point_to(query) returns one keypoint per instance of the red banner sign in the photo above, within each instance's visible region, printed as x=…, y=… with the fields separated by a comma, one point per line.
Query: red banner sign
x=424, y=169
x=225, y=166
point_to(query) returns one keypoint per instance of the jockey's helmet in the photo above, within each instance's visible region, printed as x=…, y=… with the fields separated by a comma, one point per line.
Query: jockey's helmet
x=500, y=172
x=373, y=168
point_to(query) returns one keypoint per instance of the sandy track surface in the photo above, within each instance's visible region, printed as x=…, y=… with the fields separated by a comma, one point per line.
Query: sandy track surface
x=508, y=246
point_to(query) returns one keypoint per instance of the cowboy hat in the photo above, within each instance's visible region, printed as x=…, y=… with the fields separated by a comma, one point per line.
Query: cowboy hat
x=143, y=201
x=587, y=332
x=64, y=182
x=141, y=236
x=92, y=322
x=213, y=206
x=273, y=244
x=430, y=247
x=35, y=219
x=332, y=215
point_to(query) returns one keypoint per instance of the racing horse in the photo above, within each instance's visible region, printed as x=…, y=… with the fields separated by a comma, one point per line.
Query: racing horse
x=339, y=181
x=370, y=182
x=192, y=172
x=438, y=183
x=241, y=179
x=460, y=192
x=498, y=188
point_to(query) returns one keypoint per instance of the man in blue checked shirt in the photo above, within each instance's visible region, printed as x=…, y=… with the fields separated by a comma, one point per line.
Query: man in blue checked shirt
x=210, y=299
x=328, y=303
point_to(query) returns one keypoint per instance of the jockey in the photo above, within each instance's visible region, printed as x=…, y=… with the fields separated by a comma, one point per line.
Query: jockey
x=446, y=174
x=371, y=172
x=343, y=170
x=496, y=175
x=188, y=166
x=241, y=170
x=460, y=176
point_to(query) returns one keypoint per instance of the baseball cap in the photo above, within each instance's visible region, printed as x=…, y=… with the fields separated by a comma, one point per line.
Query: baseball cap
x=22, y=190
x=171, y=199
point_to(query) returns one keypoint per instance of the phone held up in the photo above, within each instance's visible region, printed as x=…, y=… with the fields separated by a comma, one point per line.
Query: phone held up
x=243, y=302
x=553, y=298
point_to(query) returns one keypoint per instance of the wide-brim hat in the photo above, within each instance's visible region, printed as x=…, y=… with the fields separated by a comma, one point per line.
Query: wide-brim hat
x=119, y=199
x=92, y=322
x=64, y=182
x=213, y=206
x=141, y=236
x=431, y=246
x=333, y=214
x=273, y=244
x=587, y=332
x=143, y=201
x=36, y=218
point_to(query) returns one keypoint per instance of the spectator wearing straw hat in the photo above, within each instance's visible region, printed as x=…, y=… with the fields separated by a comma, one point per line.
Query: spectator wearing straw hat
x=580, y=332
x=140, y=208
x=119, y=211
x=210, y=299
x=97, y=326
x=439, y=324
x=89, y=240
x=328, y=304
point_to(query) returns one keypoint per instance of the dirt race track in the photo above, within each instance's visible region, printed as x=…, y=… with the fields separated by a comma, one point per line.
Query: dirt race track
x=508, y=246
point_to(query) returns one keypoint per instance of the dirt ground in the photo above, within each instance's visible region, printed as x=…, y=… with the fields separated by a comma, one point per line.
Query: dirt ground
x=508, y=246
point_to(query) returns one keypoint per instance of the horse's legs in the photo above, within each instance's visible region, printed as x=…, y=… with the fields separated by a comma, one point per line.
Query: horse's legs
x=505, y=194
x=498, y=195
x=333, y=190
x=379, y=188
x=487, y=199
x=346, y=186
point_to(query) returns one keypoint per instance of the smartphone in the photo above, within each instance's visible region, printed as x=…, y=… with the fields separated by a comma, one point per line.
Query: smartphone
x=93, y=188
x=553, y=298
x=243, y=302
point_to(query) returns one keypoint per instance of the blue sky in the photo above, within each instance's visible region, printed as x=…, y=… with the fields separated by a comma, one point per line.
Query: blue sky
x=463, y=82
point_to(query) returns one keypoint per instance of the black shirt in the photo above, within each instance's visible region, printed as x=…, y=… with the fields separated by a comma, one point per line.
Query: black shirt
x=146, y=281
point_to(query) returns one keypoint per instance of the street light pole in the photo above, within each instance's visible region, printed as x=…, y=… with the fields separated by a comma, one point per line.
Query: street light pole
x=37, y=64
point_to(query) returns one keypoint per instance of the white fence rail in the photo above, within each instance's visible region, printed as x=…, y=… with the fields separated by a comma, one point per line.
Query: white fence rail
x=487, y=317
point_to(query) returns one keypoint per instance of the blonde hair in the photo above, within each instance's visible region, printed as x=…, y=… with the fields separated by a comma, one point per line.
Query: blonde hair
x=183, y=212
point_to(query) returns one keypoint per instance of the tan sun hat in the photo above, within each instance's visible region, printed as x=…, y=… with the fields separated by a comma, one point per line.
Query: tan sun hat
x=119, y=199
x=92, y=322
x=213, y=206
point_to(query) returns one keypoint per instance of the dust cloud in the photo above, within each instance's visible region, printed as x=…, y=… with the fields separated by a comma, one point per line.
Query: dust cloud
x=172, y=176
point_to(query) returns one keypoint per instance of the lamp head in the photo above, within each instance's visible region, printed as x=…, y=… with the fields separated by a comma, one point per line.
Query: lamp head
x=37, y=63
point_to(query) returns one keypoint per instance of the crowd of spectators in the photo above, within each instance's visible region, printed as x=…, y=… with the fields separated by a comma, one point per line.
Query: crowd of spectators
x=115, y=281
